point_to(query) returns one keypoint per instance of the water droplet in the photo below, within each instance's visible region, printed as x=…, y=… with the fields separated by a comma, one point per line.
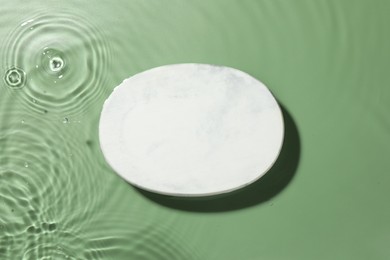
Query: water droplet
x=56, y=64
x=26, y=164
x=52, y=61
x=22, y=121
x=65, y=121
x=15, y=77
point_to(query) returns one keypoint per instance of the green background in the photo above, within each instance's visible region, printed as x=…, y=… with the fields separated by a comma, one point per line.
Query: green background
x=327, y=63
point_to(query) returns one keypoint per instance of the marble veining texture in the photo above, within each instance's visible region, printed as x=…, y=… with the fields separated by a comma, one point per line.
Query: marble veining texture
x=191, y=129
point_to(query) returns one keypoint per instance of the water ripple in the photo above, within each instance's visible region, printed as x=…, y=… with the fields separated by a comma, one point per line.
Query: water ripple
x=64, y=58
x=136, y=240
x=54, y=72
x=38, y=172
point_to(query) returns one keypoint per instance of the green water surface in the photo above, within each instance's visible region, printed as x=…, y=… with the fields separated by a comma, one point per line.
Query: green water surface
x=326, y=61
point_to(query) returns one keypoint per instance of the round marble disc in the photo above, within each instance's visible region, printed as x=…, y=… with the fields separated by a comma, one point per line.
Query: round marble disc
x=191, y=129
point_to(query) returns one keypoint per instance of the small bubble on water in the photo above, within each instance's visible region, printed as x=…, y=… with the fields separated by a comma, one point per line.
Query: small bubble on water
x=65, y=121
x=15, y=77
x=33, y=100
x=26, y=164
x=22, y=121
